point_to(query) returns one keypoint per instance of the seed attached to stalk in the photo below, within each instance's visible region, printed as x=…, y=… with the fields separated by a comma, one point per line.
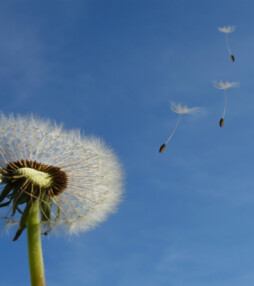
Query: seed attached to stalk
x=224, y=85
x=178, y=108
x=227, y=30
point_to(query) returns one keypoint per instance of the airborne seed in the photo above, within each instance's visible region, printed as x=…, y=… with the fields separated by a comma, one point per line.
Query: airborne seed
x=221, y=122
x=163, y=146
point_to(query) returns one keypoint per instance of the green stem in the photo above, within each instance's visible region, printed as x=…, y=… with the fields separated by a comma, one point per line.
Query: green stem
x=34, y=246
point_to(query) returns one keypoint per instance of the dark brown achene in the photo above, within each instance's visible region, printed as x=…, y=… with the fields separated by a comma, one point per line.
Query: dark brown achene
x=221, y=122
x=163, y=146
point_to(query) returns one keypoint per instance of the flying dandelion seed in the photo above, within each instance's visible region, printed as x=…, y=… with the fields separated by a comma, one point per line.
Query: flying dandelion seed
x=224, y=85
x=163, y=146
x=221, y=122
x=227, y=30
x=178, y=108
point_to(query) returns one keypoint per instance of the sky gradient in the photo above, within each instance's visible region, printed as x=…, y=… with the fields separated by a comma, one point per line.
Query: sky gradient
x=111, y=69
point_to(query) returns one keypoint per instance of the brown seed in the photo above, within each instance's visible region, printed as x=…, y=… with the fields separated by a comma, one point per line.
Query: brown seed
x=163, y=146
x=232, y=58
x=221, y=122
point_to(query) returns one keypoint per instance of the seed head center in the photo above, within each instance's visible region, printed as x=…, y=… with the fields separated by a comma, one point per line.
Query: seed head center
x=36, y=177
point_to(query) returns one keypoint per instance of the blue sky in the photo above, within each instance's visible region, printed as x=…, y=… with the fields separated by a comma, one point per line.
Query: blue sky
x=111, y=68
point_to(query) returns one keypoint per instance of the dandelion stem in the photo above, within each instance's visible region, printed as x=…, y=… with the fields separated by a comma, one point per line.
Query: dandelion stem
x=34, y=246
x=173, y=132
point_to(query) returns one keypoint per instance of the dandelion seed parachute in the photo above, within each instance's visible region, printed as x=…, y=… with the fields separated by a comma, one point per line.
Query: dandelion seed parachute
x=224, y=85
x=180, y=109
x=227, y=30
x=82, y=177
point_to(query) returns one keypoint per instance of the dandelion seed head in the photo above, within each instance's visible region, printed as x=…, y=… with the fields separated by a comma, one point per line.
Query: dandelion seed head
x=183, y=109
x=225, y=85
x=92, y=188
x=227, y=29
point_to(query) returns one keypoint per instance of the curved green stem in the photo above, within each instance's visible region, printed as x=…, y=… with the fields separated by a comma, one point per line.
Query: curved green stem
x=34, y=246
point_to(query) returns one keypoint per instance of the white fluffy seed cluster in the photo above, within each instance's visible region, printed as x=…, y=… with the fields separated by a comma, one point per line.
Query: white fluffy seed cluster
x=225, y=85
x=227, y=29
x=183, y=109
x=94, y=174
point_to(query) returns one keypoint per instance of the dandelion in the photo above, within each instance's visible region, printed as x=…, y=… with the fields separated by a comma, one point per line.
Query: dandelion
x=224, y=85
x=178, y=108
x=227, y=30
x=54, y=179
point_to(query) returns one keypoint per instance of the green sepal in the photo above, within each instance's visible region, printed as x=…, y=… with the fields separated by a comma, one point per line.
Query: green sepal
x=50, y=223
x=19, y=210
x=46, y=205
x=14, y=193
x=23, y=220
x=50, y=227
x=57, y=214
x=5, y=192
x=45, y=208
x=22, y=199
x=15, y=197
x=5, y=204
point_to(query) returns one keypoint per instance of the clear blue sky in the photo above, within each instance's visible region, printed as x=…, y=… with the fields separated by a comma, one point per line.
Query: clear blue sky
x=111, y=68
